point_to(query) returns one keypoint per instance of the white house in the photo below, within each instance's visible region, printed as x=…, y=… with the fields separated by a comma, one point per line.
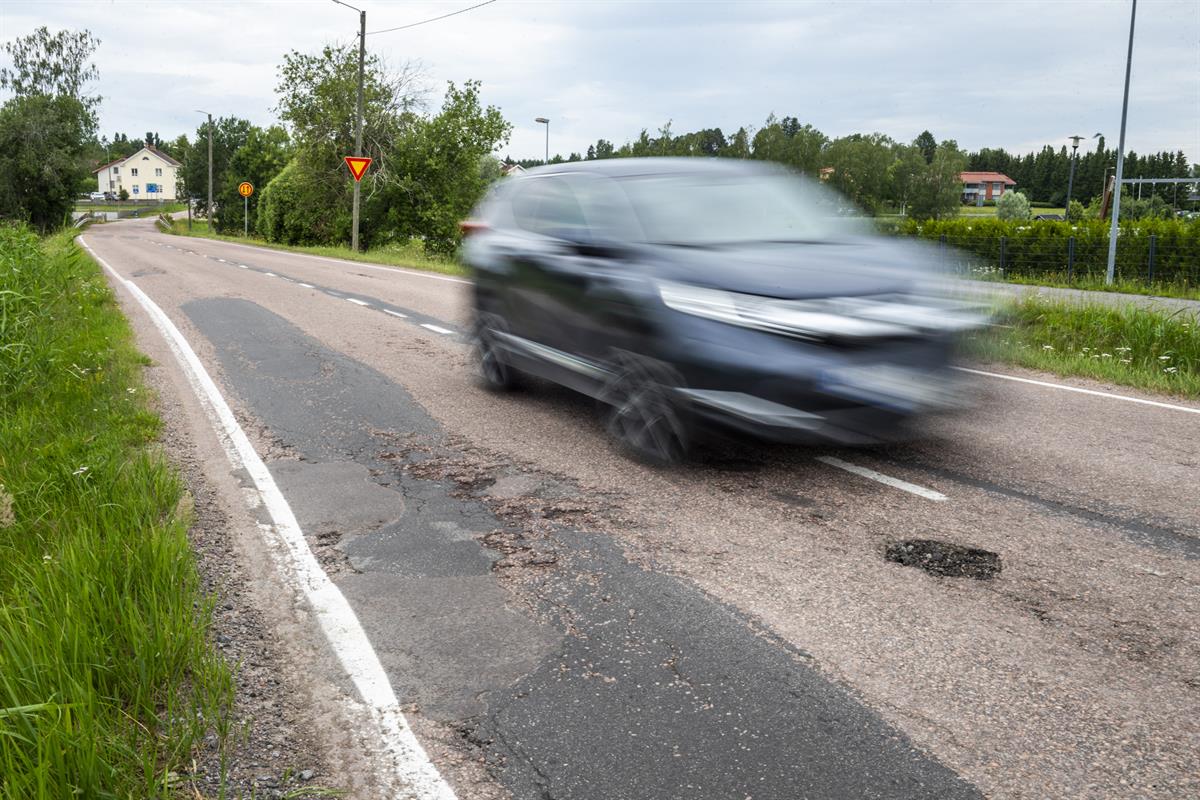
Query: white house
x=148, y=174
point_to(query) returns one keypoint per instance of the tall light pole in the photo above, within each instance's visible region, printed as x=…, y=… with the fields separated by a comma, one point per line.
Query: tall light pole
x=546, y=122
x=358, y=120
x=209, y=168
x=1116, y=209
x=1075, y=140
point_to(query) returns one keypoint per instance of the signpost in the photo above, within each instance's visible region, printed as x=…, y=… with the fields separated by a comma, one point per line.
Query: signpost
x=245, y=189
x=358, y=166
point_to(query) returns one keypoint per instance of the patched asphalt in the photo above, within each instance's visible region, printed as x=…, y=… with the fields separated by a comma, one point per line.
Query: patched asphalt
x=609, y=680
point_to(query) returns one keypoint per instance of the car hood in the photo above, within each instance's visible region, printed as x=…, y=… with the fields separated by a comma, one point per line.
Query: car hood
x=845, y=268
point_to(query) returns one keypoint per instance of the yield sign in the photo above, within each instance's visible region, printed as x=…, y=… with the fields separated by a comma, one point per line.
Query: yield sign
x=358, y=166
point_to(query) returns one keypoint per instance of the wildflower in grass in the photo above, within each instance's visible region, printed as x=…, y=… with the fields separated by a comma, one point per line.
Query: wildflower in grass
x=1126, y=360
x=1047, y=347
x=1165, y=358
x=80, y=471
x=1170, y=370
x=1123, y=349
x=7, y=517
x=1106, y=355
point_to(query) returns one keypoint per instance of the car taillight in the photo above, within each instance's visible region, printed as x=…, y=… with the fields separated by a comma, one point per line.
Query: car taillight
x=470, y=226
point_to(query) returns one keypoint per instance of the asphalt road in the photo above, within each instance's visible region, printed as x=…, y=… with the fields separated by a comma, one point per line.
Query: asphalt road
x=562, y=623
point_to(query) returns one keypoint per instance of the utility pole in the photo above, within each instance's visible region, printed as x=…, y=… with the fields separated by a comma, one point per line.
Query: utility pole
x=358, y=120
x=546, y=122
x=1110, y=274
x=358, y=151
x=210, y=203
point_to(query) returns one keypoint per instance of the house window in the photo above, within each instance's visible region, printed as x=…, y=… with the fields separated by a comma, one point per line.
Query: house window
x=135, y=188
x=158, y=172
x=133, y=172
x=116, y=170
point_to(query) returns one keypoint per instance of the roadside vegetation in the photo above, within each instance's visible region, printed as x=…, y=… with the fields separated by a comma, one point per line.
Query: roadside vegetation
x=107, y=680
x=410, y=254
x=1144, y=348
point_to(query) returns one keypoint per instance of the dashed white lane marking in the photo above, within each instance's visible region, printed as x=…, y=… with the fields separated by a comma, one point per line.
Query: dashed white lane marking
x=270, y=274
x=306, y=285
x=395, y=313
x=243, y=266
x=921, y=491
x=1109, y=395
x=358, y=302
x=223, y=261
x=411, y=772
x=435, y=328
x=346, y=262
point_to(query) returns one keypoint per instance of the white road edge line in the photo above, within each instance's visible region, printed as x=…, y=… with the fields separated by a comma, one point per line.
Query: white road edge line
x=402, y=270
x=1109, y=395
x=435, y=328
x=306, y=285
x=896, y=483
x=414, y=775
x=358, y=302
x=395, y=313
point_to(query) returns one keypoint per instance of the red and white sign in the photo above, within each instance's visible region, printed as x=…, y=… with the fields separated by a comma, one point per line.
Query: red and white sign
x=358, y=166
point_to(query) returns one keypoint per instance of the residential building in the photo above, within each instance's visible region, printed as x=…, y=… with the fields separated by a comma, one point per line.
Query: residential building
x=981, y=186
x=148, y=174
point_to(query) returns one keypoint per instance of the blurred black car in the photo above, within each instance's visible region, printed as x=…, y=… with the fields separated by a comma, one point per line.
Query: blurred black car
x=680, y=292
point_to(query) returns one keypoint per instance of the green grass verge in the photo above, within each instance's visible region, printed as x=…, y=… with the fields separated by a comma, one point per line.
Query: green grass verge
x=1131, y=346
x=410, y=254
x=107, y=680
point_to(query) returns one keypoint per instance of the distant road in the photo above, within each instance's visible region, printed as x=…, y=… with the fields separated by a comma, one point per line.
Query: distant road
x=1083, y=296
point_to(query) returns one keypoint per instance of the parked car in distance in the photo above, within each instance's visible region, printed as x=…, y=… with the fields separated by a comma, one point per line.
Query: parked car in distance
x=1058, y=217
x=97, y=197
x=689, y=293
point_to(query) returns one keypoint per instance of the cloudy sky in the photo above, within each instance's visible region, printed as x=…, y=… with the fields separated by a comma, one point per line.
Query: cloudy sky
x=1007, y=73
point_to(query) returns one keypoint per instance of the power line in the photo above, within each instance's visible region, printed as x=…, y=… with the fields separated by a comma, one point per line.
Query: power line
x=432, y=19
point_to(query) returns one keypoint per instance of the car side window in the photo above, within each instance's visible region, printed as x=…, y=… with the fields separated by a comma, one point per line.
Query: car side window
x=548, y=206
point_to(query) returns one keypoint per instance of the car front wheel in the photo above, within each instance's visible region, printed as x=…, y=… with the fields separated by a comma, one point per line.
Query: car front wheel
x=494, y=372
x=638, y=410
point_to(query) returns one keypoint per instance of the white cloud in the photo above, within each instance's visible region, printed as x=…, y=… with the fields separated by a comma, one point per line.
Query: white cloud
x=1015, y=74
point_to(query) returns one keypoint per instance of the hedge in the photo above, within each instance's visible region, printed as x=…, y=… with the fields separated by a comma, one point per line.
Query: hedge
x=1151, y=249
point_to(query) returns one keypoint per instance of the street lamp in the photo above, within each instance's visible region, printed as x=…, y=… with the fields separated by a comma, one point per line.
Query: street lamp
x=210, y=230
x=358, y=120
x=546, y=122
x=1113, y=229
x=1075, y=140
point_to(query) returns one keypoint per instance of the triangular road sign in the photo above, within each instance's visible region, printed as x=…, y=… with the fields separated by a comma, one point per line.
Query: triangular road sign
x=358, y=166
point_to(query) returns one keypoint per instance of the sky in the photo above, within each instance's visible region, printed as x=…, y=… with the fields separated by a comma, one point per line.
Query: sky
x=1016, y=74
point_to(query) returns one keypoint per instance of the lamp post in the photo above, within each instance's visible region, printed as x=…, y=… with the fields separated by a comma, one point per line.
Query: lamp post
x=1075, y=140
x=1110, y=271
x=546, y=122
x=209, y=168
x=358, y=120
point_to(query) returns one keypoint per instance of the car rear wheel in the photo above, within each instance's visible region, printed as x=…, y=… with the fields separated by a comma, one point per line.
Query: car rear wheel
x=494, y=372
x=637, y=410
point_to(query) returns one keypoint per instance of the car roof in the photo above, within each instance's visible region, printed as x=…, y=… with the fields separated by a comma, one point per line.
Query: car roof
x=629, y=167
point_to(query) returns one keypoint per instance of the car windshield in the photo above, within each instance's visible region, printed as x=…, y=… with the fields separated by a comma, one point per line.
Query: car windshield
x=708, y=210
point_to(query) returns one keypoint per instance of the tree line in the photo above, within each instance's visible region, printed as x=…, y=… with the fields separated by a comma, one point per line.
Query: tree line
x=879, y=173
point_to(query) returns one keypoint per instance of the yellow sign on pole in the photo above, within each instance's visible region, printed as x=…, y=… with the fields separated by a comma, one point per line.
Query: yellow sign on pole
x=245, y=188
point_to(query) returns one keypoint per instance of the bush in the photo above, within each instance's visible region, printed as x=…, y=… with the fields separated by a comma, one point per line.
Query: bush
x=1012, y=205
x=1039, y=248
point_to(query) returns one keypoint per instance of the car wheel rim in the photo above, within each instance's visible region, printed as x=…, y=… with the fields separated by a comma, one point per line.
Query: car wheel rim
x=644, y=420
x=492, y=369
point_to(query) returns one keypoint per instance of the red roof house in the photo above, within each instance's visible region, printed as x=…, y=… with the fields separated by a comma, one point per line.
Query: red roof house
x=985, y=185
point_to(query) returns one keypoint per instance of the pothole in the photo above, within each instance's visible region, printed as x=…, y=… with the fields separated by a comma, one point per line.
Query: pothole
x=945, y=559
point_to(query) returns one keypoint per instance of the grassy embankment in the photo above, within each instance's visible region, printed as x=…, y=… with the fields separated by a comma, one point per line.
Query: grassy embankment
x=1147, y=349
x=1132, y=347
x=1094, y=283
x=107, y=680
x=410, y=254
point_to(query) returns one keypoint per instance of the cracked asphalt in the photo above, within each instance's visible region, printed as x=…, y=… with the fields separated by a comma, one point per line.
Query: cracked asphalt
x=562, y=623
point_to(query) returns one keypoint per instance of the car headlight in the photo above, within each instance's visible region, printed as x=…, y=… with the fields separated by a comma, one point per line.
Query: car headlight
x=805, y=319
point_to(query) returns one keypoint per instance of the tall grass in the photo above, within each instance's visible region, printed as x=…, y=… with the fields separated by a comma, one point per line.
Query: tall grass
x=106, y=677
x=1146, y=348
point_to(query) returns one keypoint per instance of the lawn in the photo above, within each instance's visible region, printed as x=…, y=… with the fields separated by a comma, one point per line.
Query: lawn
x=990, y=211
x=107, y=678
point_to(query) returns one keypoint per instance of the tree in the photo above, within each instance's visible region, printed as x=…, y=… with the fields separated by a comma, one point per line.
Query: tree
x=52, y=65
x=47, y=126
x=258, y=159
x=938, y=189
x=229, y=133
x=1013, y=205
x=908, y=165
x=927, y=145
x=860, y=168
x=437, y=179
